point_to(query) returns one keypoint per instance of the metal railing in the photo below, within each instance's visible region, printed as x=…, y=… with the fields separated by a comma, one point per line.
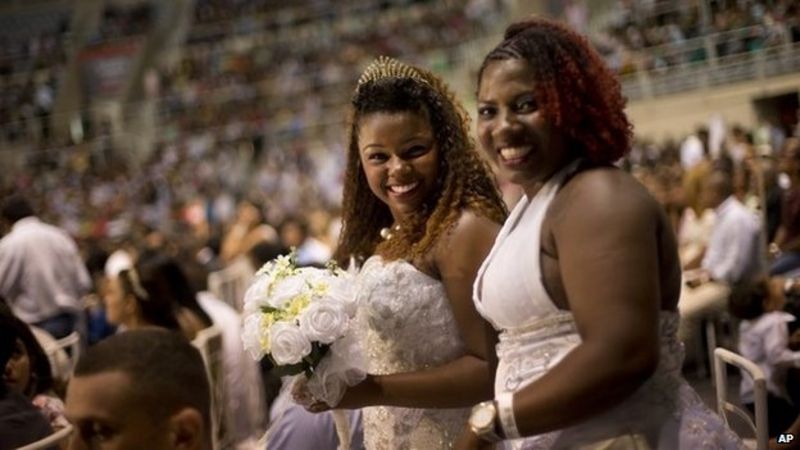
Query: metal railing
x=711, y=60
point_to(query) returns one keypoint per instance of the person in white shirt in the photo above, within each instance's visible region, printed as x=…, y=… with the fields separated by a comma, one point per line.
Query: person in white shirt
x=294, y=232
x=693, y=148
x=764, y=340
x=732, y=256
x=292, y=427
x=42, y=275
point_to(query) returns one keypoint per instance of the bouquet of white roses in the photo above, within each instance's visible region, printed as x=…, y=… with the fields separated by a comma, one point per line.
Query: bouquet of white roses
x=301, y=319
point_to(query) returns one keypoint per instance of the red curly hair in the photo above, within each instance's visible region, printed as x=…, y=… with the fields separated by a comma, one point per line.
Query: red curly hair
x=580, y=95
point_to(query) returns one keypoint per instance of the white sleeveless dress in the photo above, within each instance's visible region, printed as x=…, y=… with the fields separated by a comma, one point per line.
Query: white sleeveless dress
x=407, y=325
x=535, y=335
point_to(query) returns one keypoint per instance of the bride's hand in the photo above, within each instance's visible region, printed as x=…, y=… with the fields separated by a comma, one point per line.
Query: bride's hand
x=302, y=396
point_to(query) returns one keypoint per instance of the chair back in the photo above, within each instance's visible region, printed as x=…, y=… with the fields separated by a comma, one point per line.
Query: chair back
x=723, y=358
x=59, y=437
x=209, y=342
x=70, y=344
x=229, y=284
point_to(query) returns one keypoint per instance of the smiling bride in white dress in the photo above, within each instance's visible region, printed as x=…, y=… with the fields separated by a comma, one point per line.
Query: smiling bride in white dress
x=421, y=211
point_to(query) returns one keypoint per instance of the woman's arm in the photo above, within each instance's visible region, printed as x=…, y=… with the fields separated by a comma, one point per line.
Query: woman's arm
x=468, y=379
x=606, y=234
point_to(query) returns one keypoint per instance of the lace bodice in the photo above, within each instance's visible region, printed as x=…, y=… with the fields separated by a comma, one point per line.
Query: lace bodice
x=410, y=324
x=665, y=411
x=407, y=324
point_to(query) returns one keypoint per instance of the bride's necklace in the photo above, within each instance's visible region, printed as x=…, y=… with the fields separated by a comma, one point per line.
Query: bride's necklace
x=387, y=233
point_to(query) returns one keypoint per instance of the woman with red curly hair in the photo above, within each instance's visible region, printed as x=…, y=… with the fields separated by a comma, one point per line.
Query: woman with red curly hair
x=583, y=280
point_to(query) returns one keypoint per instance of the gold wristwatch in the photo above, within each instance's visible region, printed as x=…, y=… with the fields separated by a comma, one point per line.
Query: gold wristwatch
x=483, y=420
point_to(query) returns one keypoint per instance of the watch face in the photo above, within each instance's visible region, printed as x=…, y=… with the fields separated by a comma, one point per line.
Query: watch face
x=482, y=417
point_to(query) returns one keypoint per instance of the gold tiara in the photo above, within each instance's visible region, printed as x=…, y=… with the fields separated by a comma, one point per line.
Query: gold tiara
x=386, y=67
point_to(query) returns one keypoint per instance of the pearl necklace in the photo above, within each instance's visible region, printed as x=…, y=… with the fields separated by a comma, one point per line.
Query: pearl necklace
x=387, y=233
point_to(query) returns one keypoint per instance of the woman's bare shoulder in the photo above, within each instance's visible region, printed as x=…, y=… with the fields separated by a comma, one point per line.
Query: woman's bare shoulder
x=472, y=234
x=470, y=221
x=607, y=191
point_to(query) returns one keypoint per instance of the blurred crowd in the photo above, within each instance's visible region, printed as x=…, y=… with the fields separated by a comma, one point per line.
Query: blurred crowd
x=33, y=55
x=120, y=21
x=247, y=157
x=231, y=129
x=658, y=35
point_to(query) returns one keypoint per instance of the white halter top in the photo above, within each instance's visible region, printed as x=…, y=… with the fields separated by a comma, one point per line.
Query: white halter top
x=508, y=289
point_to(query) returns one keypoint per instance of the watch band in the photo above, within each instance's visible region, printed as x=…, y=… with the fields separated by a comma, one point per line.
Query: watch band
x=490, y=436
x=505, y=412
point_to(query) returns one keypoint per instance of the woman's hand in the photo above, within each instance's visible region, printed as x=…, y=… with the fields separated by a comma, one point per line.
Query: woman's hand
x=301, y=394
x=359, y=396
x=469, y=441
x=303, y=397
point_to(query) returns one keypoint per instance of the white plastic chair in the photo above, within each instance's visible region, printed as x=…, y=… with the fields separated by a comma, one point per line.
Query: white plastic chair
x=72, y=342
x=229, y=284
x=209, y=342
x=722, y=357
x=56, y=438
x=717, y=325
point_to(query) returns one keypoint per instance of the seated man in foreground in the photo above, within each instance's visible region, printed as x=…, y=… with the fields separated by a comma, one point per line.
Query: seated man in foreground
x=141, y=389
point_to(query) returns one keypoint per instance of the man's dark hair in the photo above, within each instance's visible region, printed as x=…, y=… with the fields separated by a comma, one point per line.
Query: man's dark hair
x=8, y=339
x=15, y=207
x=720, y=181
x=298, y=221
x=165, y=371
x=747, y=299
x=264, y=252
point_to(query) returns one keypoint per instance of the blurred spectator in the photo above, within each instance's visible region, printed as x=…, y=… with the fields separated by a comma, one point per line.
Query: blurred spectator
x=129, y=306
x=786, y=246
x=20, y=422
x=294, y=233
x=164, y=281
x=740, y=145
x=694, y=148
x=773, y=194
x=764, y=339
x=732, y=256
x=42, y=275
x=250, y=228
x=28, y=373
x=293, y=427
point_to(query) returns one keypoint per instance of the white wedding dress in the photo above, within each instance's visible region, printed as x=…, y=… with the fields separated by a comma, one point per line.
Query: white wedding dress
x=664, y=412
x=406, y=324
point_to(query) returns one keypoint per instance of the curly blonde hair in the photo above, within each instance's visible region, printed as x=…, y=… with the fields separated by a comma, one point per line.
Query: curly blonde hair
x=465, y=181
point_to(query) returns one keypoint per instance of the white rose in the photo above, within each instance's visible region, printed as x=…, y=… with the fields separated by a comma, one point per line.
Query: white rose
x=286, y=289
x=289, y=344
x=256, y=295
x=341, y=290
x=324, y=322
x=314, y=276
x=253, y=335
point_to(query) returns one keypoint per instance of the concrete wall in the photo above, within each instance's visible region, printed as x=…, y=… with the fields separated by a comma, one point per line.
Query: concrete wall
x=678, y=115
